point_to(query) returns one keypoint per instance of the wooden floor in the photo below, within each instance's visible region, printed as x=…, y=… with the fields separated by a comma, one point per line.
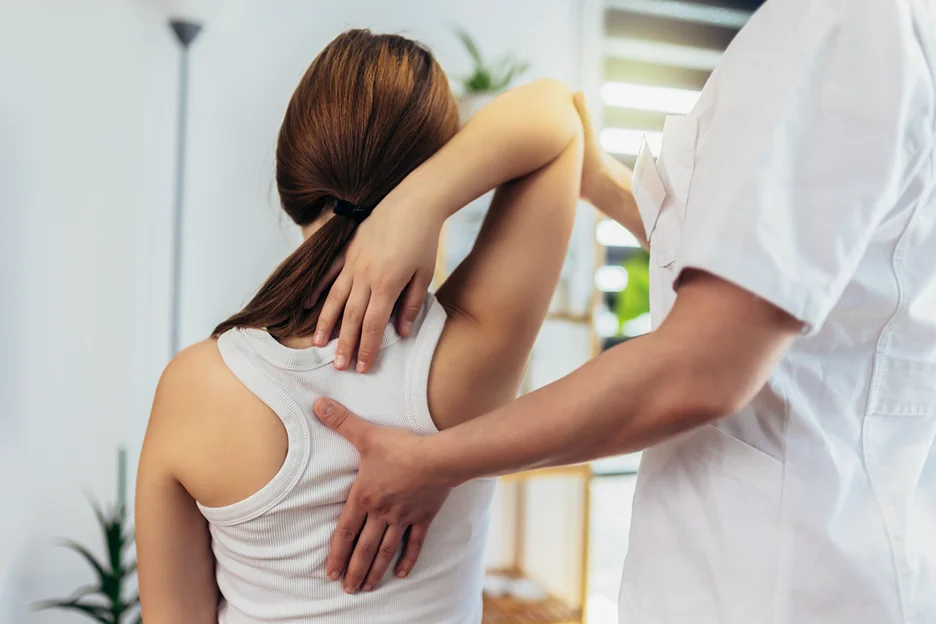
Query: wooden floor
x=510, y=610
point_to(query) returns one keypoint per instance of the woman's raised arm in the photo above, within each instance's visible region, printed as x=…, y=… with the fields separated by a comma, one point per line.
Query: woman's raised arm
x=395, y=250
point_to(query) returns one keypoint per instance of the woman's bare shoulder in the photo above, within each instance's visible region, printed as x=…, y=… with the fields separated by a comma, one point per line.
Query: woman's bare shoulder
x=211, y=423
x=196, y=374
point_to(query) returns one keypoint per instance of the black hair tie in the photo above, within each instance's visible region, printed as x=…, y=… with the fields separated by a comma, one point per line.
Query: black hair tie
x=350, y=211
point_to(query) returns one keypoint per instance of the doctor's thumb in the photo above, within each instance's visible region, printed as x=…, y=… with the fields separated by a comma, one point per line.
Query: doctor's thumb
x=336, y=417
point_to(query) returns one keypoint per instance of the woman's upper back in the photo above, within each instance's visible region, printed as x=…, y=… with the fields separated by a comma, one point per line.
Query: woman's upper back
x=271, y=545
x=211, y=439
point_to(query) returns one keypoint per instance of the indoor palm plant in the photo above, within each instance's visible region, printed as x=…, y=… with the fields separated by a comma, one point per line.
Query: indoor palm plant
x=104, y=600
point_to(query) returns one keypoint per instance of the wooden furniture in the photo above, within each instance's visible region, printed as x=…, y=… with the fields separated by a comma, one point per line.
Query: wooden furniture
x=549, y=609
x=508, y=610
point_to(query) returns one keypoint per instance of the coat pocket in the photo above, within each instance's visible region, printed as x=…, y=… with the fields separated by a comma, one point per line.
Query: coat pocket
x=899, y=451
x=704, y=541
x=676, y=164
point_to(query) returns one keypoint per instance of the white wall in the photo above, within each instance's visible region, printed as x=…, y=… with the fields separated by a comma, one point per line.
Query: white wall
x=12, y=288
x=75, y=180
x=87, y=107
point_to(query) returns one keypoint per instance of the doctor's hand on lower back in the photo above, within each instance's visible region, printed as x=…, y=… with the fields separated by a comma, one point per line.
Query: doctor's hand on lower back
x=394, y=250
x=392, y=502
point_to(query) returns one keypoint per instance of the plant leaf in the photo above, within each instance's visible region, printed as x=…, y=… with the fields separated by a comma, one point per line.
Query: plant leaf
x=471, y=46
x=503, y=62
x=113, y=530
x=113, y=533
x=85, y=591
x=102, y=519
x=112, y=524
x=103, y=576
x=109, y=584
x=512, y=72
x=478, y=82
x=133, y=603
x=95, y=612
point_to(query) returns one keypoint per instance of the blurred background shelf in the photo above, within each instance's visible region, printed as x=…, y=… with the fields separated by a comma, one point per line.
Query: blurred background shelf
x=543, y=571
x=579, y=470
x=512, y=610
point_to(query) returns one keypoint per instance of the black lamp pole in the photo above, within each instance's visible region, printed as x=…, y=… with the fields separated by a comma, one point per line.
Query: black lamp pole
x=185, y=31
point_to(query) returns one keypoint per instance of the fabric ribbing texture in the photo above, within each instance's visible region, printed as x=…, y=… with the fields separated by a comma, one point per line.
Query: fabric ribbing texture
x=271, y=547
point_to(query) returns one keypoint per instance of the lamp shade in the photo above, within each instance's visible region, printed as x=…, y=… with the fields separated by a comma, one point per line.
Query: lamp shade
x=196, y=11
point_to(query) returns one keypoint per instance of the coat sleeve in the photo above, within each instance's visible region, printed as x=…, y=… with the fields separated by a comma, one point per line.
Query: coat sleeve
x=809, y=134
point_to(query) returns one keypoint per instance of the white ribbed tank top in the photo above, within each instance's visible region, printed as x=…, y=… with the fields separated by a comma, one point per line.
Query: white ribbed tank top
x=271, y=547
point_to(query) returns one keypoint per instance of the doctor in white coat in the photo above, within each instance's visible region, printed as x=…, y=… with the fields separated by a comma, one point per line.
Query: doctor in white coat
x=787, y=396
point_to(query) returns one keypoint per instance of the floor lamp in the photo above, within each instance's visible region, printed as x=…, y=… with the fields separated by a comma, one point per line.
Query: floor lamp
x=186, y=19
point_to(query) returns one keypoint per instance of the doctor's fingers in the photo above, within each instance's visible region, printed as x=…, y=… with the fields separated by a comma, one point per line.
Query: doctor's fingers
x=415, y=538
x=343, y=539
x=365, y=551
x=389, y=547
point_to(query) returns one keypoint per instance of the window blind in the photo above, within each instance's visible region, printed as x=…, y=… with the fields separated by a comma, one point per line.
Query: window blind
x=657, y=56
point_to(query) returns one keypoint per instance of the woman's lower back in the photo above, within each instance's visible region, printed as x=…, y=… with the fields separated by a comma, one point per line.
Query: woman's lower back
x=271, y=547
x=272, y=569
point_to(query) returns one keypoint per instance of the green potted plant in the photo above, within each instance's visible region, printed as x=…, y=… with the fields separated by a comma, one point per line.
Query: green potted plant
x=106, y=599
x=486, y=80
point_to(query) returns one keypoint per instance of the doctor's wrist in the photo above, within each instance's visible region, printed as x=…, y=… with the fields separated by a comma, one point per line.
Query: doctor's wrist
x=438, y=463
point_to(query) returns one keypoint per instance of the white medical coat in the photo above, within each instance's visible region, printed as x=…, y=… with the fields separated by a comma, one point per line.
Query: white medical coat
x=806, y=175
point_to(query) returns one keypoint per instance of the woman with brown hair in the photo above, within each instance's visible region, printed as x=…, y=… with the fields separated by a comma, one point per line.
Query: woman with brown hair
x=239, y=486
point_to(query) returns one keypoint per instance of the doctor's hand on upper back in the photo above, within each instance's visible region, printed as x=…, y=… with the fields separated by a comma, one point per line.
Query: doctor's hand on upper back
x=392, y=502
x=394, y=250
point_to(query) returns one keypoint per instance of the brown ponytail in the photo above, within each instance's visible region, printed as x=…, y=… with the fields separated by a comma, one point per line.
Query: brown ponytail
x=369, y=110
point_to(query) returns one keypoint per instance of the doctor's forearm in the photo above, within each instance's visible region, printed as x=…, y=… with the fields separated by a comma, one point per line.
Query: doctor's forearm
x=629, y=398
x=708, y=359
